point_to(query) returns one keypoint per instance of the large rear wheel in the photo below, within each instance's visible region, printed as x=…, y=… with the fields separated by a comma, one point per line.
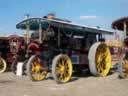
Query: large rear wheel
x=3, y=65
x=62, y=68
x=36, y=68
x=99, y=59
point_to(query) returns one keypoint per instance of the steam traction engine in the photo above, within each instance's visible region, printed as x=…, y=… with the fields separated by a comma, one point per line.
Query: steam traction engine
x=62, y=47
x=9, y=47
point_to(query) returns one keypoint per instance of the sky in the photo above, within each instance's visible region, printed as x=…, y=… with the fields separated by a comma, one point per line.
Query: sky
x=86, y=12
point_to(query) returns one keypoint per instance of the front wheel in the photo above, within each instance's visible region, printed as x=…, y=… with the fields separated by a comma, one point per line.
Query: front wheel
x=3, y=65
x=36, y=68
x=62, y=68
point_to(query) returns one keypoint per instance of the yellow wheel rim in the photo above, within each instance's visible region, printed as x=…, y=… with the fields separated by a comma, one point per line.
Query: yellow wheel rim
x=39, y=70
x=103, y=60
x=3, y=65
x=64, y=69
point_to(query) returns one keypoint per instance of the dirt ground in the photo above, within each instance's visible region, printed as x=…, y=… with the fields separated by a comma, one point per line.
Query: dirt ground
x=85, y=85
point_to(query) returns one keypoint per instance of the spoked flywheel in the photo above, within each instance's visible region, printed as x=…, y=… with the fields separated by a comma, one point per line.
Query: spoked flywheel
x=3, y=65
x=62, y=68
x=99, y=59
x=36, y=68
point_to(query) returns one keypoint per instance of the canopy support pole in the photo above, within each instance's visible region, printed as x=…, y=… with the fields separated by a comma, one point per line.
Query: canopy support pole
x=40, y=32
x=58, y=37
x=27, y=33
x=125, y=29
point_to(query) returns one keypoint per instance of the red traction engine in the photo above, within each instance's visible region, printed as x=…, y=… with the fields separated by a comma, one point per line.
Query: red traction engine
x=9, y=48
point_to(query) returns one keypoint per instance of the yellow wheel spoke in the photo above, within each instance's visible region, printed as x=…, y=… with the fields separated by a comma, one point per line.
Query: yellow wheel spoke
x=63, y=62
x=60, y=76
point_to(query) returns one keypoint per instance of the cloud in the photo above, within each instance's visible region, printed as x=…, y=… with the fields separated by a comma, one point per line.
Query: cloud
x=87, y=17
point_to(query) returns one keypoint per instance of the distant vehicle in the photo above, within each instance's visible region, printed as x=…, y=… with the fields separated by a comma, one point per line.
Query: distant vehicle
x=9, y=47
x=62, y=47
